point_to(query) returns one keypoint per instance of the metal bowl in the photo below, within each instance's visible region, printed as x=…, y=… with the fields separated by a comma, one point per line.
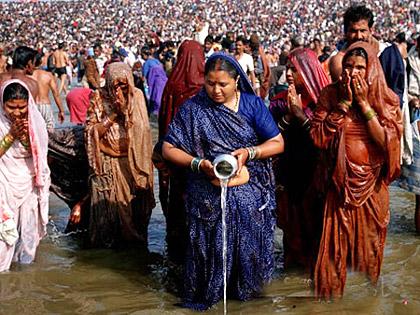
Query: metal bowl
x=225, y=166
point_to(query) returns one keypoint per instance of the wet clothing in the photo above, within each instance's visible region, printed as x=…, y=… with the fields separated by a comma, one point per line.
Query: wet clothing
x=356, y=211
x=60, y=71
x=299, y=197
x=47, y=114
x=206, y=129
x=24, y=188
x=121, y=186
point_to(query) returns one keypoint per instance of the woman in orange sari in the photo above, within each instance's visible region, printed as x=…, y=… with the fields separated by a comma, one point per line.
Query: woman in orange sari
x=358, y=125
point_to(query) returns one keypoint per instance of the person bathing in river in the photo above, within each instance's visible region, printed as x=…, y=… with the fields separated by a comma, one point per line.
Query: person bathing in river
x=226, y=117
x=24, y=175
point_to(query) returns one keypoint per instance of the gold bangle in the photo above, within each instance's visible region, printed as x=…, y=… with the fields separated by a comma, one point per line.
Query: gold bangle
x=345, y=103
x=6, y=142
x=369, y=114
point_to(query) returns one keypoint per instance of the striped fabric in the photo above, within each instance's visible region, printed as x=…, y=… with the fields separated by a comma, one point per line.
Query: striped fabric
x=47, y=114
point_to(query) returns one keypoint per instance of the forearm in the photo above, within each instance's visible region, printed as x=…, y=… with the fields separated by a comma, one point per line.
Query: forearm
x=175, y=155
x=270, y=147
x=375, y=129
x=5, y=143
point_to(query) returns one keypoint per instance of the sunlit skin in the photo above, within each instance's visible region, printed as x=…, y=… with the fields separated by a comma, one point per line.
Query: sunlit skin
x=240, y=47
x=358, y=31
x=221, y=88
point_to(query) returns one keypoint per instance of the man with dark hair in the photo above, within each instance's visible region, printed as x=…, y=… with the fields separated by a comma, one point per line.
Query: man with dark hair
x=61, y=61
x=245, y=60
x=358, y=26
x=46, y=83
x=208, y=46
x=22, y=67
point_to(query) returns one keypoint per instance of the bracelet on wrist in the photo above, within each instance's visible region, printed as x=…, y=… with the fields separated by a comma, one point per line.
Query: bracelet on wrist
x=345, y=103
x=253, y=153
x=6, y=142
x=195, y=164
x=369, y=114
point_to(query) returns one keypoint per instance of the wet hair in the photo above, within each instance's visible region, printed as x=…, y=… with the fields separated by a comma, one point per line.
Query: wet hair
x=220, y=64
x=15, y=91
x=22, y=55
x=356, y=14
x=356, y=52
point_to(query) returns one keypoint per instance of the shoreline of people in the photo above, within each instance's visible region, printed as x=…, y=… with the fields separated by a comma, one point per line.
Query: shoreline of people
x=317, y=161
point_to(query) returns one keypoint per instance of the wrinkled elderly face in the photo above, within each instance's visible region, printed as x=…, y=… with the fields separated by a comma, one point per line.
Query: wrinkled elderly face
x=220, y=87
x=16, y=109
x=358, y=31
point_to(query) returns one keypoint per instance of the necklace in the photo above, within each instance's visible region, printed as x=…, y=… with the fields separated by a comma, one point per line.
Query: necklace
x=235, y=108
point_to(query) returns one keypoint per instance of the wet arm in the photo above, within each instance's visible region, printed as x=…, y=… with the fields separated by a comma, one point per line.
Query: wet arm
x=375, y=129
x=175, y=155
x=56, y=95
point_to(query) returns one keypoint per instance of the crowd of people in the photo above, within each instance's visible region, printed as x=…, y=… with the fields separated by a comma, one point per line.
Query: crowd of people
x=316, y=162
x=45, y=23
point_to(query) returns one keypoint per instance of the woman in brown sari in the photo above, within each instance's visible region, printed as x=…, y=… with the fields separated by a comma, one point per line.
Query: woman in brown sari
x=358, y=125
x=118, y=143
x=186, y=79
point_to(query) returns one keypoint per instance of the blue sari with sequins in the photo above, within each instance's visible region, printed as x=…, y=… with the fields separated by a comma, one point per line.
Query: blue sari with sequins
x=206, y=129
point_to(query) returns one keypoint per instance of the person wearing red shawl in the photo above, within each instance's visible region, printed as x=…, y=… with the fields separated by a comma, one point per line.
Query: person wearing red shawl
x=186, y=79
x=357, y=123
x=299, y=209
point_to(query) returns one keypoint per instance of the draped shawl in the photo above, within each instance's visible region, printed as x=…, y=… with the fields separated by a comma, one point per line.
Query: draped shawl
x=13, y=163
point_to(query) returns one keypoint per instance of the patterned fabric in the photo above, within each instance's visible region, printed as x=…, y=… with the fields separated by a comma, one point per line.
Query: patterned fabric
x=206, y=129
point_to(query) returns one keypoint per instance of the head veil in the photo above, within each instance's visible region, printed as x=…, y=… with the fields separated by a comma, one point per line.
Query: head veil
x=186, y=79
x=136, y=123
x=308, y=66
x=38, y=137
x=244, y=83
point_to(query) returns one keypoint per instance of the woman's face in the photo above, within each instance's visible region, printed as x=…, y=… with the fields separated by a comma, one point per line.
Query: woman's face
x=220, y=87
x=120, y=87
x=16, y=109
x=355, y=65
x=294, y=77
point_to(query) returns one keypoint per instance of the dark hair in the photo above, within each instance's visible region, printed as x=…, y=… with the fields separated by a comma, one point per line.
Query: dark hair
x=97, y=45
x=356, y=14
x=360, y=52
x=60, y=45
x=209, y=39
x=15, y=91
x=220, y=64
x=242, y=39
x=145, y=50
x=400, y=38
x=22, y=55
x=38, y=59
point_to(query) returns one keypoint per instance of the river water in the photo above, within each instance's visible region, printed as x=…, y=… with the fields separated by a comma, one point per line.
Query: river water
x=66, y=279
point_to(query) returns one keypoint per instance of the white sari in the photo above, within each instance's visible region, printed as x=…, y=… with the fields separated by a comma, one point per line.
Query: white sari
x=24, y=188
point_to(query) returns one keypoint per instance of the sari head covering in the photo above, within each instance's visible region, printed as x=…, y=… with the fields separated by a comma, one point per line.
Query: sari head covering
x=38, y=137
x=308, y=66
x=244, y=84
x=186, y=79
x=136, y=124
x=385, y=103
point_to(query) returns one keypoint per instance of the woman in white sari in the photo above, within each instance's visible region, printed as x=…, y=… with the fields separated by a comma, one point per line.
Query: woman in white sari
x=24, y=175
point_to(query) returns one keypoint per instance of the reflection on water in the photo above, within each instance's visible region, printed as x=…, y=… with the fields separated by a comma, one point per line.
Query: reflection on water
x=66, y=279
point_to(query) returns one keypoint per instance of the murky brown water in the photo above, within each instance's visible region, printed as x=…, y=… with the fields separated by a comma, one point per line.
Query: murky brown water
x=66, y=279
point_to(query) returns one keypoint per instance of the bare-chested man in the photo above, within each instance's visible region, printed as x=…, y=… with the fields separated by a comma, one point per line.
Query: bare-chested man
x=46, y=83
x=22, y=67
x=358, y=26
x=61, y=61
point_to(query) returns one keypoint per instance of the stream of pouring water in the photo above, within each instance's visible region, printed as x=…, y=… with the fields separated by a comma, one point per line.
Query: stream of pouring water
x=223, y=185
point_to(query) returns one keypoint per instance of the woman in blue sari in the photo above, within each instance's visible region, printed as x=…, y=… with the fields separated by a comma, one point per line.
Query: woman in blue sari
x=226, y=117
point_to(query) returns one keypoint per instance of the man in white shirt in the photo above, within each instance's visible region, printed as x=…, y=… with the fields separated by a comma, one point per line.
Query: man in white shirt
x=245, y=60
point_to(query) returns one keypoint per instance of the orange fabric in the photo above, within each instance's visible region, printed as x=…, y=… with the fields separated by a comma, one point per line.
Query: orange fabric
x=356, y=211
